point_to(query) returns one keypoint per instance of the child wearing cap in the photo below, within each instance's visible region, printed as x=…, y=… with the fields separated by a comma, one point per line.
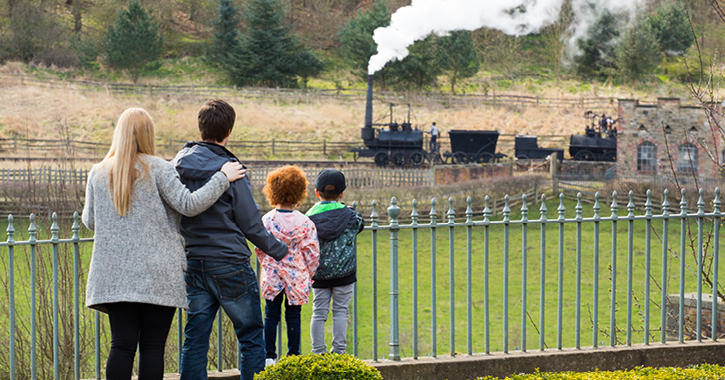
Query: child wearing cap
x=290, y=277
x=337, y=227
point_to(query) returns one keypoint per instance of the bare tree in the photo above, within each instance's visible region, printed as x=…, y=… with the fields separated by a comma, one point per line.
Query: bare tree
x=555, y=37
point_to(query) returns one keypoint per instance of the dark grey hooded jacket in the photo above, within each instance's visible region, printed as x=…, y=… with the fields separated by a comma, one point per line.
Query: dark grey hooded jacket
x=221, y=232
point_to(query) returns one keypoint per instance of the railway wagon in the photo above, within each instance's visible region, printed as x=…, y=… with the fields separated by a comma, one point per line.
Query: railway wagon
x=527, y=147
x=473, y=146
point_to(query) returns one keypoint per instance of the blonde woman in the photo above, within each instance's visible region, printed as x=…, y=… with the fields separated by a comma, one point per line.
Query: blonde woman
x=133, y=202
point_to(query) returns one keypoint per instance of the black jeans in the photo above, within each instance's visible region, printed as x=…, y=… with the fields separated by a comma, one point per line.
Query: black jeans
x=139, y=325
x=272, y=315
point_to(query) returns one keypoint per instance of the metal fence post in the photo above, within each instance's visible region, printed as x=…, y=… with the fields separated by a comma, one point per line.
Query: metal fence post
x=434, y=337
x=647, y=263
x=560, y=286
x=613, y=301
x=665, y=254
x=76, y=294
x=524, y=265
x=451, y=275
x=683, y=237
x=32, y=230
x=715, y=257
x=469, y=280
x=54, y=229
x=486, y=319
x=414, y=223
x=542, y=276
x=595, y=308
x=630, y=258
x=506, y=221
x=11, y=296
x=393, y=213
x=374, y=227
x=700, y=238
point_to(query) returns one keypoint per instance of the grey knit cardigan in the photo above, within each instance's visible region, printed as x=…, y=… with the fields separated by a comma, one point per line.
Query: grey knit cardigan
x=140, y=257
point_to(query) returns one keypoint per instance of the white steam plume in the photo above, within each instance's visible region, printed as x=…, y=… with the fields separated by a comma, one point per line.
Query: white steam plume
x=514, y=17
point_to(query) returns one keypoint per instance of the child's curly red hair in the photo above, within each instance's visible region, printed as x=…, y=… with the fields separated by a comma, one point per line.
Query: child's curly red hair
x=286, y=186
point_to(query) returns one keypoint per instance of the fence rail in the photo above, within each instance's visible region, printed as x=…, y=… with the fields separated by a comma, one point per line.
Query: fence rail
x=570, y=307
x=235, y=92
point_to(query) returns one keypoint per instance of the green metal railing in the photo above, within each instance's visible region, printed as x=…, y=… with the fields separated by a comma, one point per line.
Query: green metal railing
x=488, y=308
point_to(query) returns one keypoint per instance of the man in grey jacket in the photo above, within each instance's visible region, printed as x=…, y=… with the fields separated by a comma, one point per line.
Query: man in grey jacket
x=219, y=271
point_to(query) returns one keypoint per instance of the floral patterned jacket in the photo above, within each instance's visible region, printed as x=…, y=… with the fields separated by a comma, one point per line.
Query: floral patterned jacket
x=293, y=274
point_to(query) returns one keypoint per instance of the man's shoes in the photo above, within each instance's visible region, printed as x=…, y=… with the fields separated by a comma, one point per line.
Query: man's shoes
x=270, y=362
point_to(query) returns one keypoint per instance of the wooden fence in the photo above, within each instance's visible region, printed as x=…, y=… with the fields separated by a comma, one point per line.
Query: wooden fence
x=234, y=92
x=356, y=177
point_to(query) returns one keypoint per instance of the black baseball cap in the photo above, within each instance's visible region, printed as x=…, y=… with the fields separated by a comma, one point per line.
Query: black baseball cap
x=332, y=177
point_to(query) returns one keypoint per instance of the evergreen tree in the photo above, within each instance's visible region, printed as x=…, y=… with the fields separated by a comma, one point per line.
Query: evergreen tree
x=134, y=41
x=597, y=50
x=225, y=35
x=457, y=56
x=638, y=53
x=308, y=65
x=419, y=68
x=267, y=51
x=356, y=37
x=672, y=29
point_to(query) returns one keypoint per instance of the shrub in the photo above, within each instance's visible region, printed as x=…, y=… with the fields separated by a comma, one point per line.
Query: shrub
x=703, y=371
x=320, y=367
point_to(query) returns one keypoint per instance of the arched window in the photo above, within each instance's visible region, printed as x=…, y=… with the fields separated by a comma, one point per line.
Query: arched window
x=687, y=158
x=647, y=157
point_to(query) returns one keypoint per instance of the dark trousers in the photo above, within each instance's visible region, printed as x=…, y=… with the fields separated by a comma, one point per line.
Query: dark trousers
x=433, y=144
x=139, y=325
x=272, y=316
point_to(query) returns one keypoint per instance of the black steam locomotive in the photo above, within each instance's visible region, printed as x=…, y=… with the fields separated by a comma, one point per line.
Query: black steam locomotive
x=599, y=142
x=402, y=144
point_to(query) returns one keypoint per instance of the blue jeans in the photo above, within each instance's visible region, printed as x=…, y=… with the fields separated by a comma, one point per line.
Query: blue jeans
x=234, y=287
x=272, y=316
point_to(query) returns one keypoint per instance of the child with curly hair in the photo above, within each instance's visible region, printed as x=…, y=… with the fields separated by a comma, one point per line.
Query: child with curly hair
x=291, y=277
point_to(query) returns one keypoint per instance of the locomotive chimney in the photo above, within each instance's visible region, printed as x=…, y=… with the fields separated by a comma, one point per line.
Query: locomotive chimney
x=369, y=104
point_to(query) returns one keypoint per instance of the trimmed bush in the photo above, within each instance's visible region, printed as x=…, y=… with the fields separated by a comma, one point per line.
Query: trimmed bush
x=703, y=372
x=320, y=367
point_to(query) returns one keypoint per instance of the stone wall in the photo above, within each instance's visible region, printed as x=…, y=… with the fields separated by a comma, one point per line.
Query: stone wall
x=448, y=174
x=584, y=168
x=667, y=125
x=690, y=310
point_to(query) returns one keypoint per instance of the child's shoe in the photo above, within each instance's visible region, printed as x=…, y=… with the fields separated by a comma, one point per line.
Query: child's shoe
x=270, y=362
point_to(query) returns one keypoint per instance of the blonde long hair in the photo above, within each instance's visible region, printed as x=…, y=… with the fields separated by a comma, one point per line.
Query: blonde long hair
x=134, y=136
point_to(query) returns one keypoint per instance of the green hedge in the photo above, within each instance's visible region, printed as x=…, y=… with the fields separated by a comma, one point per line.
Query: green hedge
x=320, y=367
x=701, y=372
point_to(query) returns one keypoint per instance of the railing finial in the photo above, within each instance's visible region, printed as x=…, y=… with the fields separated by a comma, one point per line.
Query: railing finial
x=54, y=229
x=701, y=203
x=469, y=211
x=451, y=214
x=414, y=214
x=630, y=205
x=596, y=207
x=11, y=230
x=648, y=204
x=32, y=230
x=374, y=215
x=506, y=209
x=561, y=209
x=394, y=212
x=717, y=202
x=76, y=227
x=486, y=210
x=666, y=204
x=524, y=209
x=614, y=206
x=683, y=203
x=433, y=213
x=543, y=209
x=579, y=207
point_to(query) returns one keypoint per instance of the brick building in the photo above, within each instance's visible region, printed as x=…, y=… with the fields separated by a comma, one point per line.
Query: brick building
x=646, y=132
